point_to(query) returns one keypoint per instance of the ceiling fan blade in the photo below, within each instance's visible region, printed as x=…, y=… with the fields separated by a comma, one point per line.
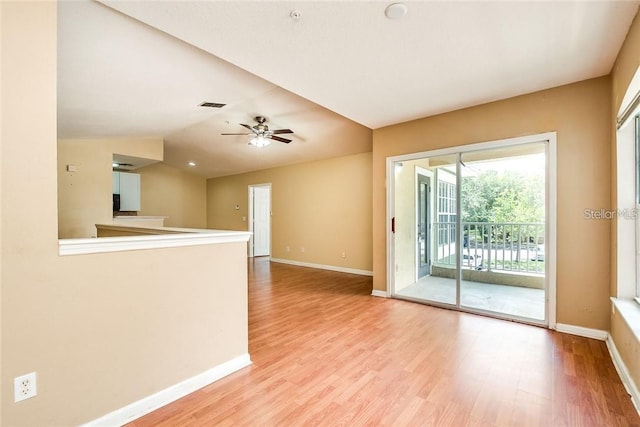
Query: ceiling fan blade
x=277, y=131
x=277, y=138
x=236, y=134
x=248, y=127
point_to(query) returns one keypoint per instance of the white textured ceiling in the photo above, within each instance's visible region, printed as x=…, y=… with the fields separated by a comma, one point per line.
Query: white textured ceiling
x=118, y=76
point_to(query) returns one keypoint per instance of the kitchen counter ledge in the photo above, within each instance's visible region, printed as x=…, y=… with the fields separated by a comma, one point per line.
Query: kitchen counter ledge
x=116, y=238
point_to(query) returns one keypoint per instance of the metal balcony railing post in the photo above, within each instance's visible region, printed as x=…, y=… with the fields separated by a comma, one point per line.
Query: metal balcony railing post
x=489, y=245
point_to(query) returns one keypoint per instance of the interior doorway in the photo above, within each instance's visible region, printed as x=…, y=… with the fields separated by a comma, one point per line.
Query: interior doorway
x=260, y=220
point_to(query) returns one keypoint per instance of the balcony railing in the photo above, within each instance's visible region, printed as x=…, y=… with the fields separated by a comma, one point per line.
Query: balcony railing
x=492, y=246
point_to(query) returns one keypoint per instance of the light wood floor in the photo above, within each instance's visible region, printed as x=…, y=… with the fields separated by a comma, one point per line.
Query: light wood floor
x=326, y=352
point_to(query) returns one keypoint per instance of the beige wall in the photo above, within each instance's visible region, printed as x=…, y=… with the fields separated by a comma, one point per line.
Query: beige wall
x=581, y=115
x=626, y=342
x=627, y=62
x=168, y=191
x=84, y=196
x=143, y=148
x=323, y=206
x=102, y=330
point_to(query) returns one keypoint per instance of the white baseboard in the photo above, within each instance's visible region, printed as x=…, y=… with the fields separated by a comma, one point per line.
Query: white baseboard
x=157, y=400
x=623, y=372
x=377, y=293
x=323, y=267
x=582, y=332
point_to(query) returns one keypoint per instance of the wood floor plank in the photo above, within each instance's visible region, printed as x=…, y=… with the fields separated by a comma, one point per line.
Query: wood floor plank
x=327, y=353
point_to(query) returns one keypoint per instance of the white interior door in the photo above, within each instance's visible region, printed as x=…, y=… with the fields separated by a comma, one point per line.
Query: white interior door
x=261, y=220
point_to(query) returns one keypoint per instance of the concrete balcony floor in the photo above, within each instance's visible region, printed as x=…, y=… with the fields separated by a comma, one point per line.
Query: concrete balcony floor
x=503, y=299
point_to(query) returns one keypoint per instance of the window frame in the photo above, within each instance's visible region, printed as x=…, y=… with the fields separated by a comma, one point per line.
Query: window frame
x=634, y=215
x=445, y=195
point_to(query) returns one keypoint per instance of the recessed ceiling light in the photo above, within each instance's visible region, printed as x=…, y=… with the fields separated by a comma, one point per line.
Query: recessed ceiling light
x=191, y=163
x=395, y=11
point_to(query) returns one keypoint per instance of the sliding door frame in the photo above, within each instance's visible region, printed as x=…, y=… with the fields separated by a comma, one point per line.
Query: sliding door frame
x=550, y=139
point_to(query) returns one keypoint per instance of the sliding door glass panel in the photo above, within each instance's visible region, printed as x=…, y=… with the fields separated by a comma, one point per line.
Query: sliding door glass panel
x=503, y=231
x=425, y=230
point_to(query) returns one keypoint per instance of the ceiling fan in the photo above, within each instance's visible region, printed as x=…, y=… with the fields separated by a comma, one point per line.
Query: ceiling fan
x=262, y=136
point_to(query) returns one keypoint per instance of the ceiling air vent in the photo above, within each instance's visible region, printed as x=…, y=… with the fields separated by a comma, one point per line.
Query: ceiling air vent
x=212, y=105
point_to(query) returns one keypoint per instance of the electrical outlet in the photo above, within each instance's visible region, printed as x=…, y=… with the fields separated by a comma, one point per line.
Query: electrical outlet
x=343, y=254
x=24, y=387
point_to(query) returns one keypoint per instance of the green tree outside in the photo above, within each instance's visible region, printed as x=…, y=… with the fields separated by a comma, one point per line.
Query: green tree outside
x=505, y=196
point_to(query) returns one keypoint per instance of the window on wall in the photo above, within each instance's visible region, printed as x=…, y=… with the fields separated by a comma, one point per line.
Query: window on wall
x=637, y=151
x=627, y=211
x=627, y=208
x=637, y=210
x=446, y=206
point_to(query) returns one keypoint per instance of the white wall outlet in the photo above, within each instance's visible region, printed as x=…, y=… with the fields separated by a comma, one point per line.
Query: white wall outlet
x=302, y=249
x=343, y=254
x=287, y=248
x=24, y=387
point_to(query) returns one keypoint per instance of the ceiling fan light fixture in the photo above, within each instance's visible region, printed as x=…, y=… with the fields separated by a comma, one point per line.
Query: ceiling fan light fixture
x=260, y=141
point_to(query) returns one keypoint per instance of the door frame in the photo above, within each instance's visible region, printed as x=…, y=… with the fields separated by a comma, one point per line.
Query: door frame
x=550, y=210
x=251, y=215
x=428, y=174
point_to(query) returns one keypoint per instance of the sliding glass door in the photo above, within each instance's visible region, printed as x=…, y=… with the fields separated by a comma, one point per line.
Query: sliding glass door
x=503, y=231
x=470, y=230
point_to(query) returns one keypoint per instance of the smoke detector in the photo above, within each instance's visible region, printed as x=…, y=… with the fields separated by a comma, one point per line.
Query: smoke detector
x=395, y=11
